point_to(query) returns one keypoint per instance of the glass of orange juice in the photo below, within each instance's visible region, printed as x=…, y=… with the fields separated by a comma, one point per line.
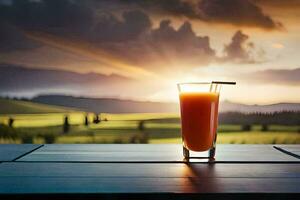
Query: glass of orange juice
x=199, y=103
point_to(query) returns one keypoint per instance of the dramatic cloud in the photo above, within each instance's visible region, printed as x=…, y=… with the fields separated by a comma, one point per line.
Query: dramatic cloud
x=239, y=50
x=275, y=76
x=182, y=43
x=235, y=12
x=128, y=35
x=166, y=47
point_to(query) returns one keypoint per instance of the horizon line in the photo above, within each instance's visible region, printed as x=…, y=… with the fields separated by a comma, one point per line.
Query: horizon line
x=24, y=98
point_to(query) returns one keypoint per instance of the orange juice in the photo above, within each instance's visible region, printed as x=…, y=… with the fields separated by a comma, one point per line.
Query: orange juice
x=199, y=119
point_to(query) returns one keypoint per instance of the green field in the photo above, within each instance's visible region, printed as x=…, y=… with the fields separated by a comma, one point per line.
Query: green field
x=8, y=106
x=124, y=128
x=40, y=123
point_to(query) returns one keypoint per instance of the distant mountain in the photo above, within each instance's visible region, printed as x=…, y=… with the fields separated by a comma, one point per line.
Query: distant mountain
x=9, y=106
x=228, y=106
x=108, y=105
x=111, y=105
x=15, y=78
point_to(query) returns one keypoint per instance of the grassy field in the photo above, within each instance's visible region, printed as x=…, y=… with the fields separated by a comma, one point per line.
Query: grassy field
x=8, y=106
x=126, y=128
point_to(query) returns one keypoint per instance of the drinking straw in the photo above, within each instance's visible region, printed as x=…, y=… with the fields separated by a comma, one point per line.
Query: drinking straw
x=224, y=82
x=220, y=83
x=216, y=82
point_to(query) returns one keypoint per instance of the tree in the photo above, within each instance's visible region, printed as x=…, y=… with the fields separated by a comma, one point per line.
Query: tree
x=264, y=127
x=246, y=127
x=141, y=125
x=97, y=119
x=86, y=120
x=11, y=122
x=66, y=125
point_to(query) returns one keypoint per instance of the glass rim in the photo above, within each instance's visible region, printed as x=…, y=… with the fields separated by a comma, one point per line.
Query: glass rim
x=197, y=85
x=193, y=83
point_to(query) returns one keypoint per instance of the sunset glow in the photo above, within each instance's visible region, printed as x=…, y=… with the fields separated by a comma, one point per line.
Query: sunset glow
x=143, y=50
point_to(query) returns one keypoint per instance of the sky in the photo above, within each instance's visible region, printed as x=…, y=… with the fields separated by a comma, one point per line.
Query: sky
x=140, y=49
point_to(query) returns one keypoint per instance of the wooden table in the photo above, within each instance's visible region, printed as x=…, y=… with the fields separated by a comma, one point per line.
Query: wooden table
x=149, y=171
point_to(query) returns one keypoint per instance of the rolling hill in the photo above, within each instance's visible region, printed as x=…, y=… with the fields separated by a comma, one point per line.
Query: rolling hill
x=61, y=104
x=228, y=106
x=8, y=106
x=107, y=105
x=110, y=105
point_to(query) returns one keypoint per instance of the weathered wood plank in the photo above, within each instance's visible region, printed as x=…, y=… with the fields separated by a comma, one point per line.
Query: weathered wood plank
x=291, y=148
x=149, y=170
x=148, y=147
x=289, y=151
x=94, y=185
x=9, y=152
x=152, y=153
x=51, y=174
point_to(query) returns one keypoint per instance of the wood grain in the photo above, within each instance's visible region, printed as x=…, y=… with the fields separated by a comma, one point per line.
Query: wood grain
x=10, y=152
x=152, y=169
x=152, y=153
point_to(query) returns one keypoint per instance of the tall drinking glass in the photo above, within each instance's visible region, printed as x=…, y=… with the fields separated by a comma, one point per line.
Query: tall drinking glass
x=199, y=104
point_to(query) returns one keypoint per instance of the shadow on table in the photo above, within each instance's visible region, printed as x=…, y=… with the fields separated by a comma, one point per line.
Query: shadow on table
x=201, y=177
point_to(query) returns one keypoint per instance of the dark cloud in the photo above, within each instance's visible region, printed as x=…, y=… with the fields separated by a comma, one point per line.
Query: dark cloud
x=172, y=7
x=128, y=35
x=239, y=50
x=275, y=76
x=286, y=4
x=235, y=49
x=166, y=47
x=133, y=24
x=236, y=12
x=11, y=39
x=50, y=15
x=77, y=19
x=60, y=17
x=183, y=43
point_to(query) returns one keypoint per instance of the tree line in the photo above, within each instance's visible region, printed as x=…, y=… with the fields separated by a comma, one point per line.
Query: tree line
x=279, y=118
